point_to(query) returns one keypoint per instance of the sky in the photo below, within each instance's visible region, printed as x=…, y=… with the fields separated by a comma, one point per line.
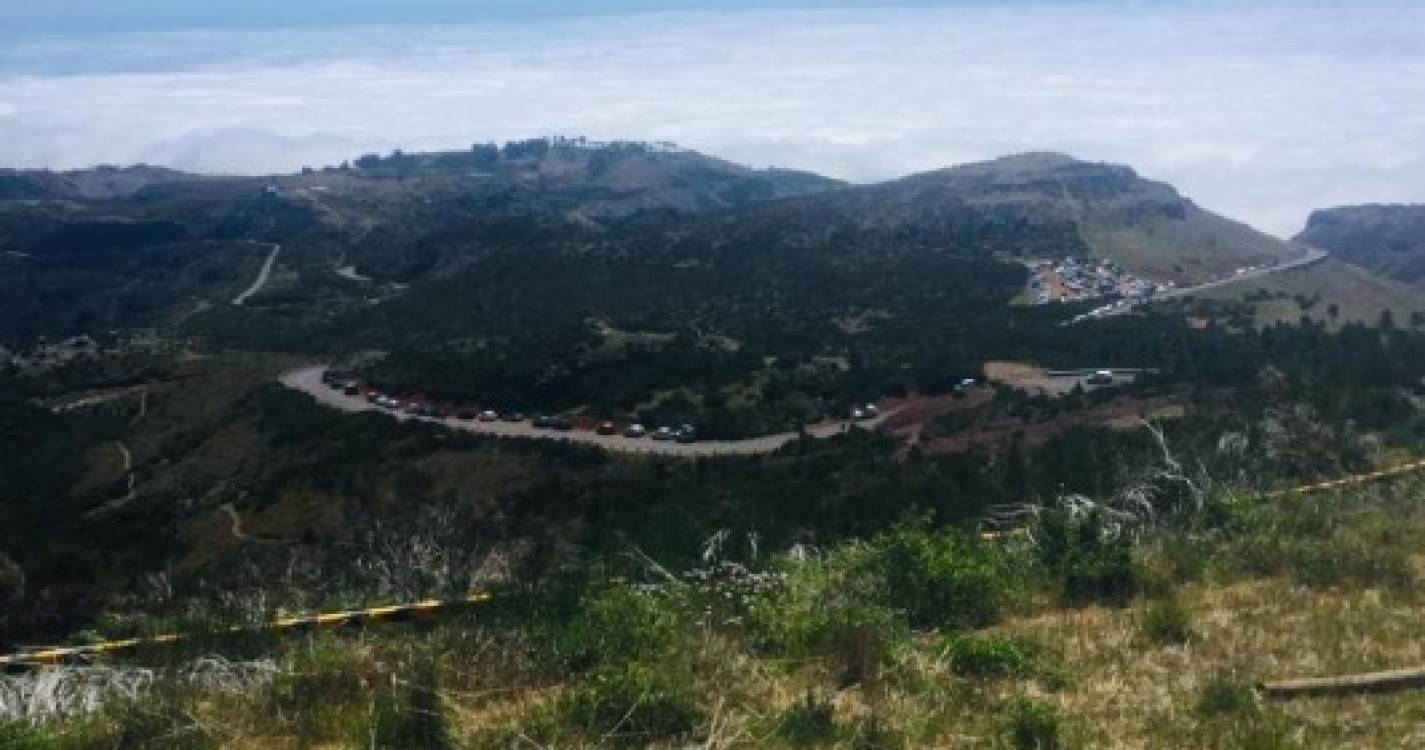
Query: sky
x=1262, y=113
x=67, y=16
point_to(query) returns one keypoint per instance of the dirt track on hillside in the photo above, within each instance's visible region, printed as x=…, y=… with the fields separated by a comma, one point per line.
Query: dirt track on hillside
x=262, y=277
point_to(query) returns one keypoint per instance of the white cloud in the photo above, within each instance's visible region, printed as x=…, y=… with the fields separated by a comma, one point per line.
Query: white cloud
x=1263, y=113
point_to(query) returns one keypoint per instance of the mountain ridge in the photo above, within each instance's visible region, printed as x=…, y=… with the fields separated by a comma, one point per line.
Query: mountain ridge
x=1387, y=239
x=361, y=233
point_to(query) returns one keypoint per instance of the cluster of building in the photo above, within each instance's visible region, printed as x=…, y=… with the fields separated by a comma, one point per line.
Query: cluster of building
x=1078, y=279
x=44, y=355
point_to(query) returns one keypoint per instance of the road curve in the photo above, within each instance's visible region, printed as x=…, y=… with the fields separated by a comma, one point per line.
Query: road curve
x=309, y=381
x=262, y=277
x=1312, y=255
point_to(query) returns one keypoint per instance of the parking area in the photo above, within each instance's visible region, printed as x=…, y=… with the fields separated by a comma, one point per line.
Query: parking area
x=340, y=391
x=1046, y=382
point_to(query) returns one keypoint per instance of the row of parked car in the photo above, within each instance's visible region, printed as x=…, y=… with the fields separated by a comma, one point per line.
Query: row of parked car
x=337, y=381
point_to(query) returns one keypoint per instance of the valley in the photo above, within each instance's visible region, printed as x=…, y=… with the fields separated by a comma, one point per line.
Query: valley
x=784, y=433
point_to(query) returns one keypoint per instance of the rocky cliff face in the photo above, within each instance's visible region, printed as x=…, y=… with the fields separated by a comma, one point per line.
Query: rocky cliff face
x=1388, y=240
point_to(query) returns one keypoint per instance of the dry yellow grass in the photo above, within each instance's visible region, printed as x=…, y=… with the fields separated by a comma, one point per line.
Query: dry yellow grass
x=1124, y=691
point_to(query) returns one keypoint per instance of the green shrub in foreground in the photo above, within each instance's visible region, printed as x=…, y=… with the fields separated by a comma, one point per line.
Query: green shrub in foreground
x=408, y=716
x=810, y=721
x=1091, y=563
x=1235, y=717
x=937, y=578
x=1227, y=696
x=614, y=626
x=973, y=656
x=1167, y=621
x=320, y=682
x=18, y=735
x=1032, y=725
x=828, y=610
x=856, y=606
x=632, y=705
x=873, y=734
x=1350, y=562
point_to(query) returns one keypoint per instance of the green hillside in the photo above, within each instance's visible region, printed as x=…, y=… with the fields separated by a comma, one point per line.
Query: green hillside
x=1332, y=293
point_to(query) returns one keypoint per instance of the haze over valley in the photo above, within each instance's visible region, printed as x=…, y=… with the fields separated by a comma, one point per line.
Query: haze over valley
x=1263, y=112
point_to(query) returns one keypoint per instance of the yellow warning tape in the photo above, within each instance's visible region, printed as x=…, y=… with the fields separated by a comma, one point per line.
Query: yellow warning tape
x=431, y=606
x=1390, y=472
x=45, y=656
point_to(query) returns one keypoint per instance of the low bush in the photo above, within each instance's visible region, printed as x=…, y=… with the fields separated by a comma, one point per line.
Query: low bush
x=157, y=718
x=1166, y=621
x=1032, y=725
x=320, y=681
x=408, y=716
x=613, y=626
x=1235, y=717
x=1091, y=563
x=1227, y=696
x=810, y=721
x=857, y=605
x=829, y=609
x=937, y=578
x=1349, y=561
x=634, y=704
x=972, y=656
x=872, y=733
x=18, y=735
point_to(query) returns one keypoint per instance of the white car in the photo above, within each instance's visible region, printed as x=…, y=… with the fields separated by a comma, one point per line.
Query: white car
x=488, y=416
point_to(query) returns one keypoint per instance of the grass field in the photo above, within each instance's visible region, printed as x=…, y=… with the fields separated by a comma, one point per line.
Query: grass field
x=1356, y=294
x=1197, y=248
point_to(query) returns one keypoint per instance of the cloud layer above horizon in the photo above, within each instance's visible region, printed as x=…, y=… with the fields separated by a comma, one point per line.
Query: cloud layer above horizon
x=1261, y=113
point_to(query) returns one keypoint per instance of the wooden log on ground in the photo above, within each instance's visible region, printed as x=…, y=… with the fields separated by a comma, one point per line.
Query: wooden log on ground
x=1351, y=684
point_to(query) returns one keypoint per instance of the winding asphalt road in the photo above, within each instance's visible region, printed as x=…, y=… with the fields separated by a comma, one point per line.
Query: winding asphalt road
x=309, y=381
x=1312, y=256
x=262, y=277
